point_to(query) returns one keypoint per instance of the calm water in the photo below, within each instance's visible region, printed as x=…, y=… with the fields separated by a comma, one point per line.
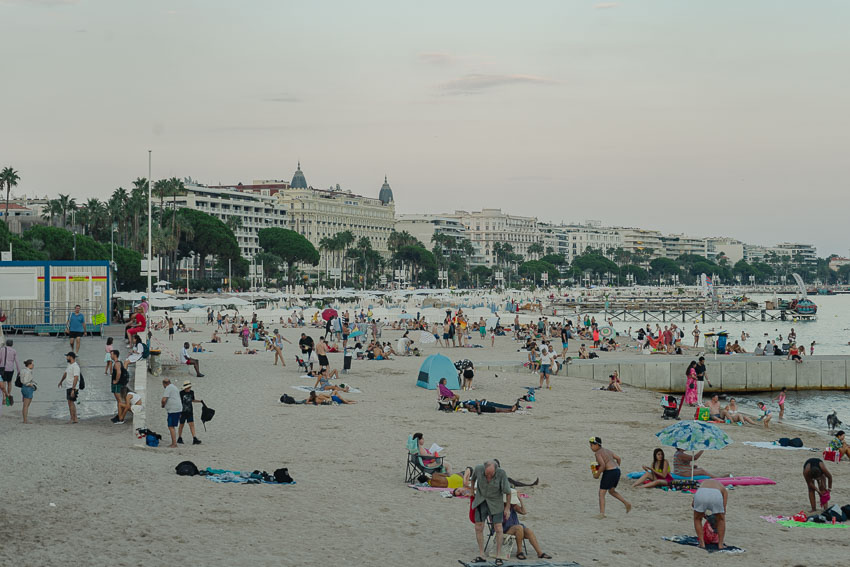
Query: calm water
x=831, y=333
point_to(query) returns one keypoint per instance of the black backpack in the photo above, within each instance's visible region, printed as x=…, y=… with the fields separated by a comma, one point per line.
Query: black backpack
x=287, y=399
x=81, y=385
x=282, y=476
x=787, y=442
x=186, y=468
x=124, y=378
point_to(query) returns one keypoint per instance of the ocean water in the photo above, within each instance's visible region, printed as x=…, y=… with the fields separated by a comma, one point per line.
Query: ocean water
x=831, y=333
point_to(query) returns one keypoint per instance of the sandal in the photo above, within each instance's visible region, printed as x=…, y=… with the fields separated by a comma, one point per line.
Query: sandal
x=498, y=562
x=479, y=559
x=521, y=556
x=544, y=556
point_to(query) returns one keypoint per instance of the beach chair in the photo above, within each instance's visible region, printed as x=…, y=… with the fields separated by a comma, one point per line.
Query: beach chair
x=415, y=466
x=302, y=364
x=506, y=542
x=444, y=404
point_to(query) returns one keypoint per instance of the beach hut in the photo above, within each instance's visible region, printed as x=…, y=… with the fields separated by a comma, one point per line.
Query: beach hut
x=435, y=367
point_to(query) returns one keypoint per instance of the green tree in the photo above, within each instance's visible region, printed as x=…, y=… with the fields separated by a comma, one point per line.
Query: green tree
x=535, y=250
x=664, y=267
x=290, y=246
x=210, y=237
x=534, y=269
x=21, y=249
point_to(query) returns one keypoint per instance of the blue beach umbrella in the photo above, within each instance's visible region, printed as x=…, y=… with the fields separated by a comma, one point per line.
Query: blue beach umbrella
x=693, y=436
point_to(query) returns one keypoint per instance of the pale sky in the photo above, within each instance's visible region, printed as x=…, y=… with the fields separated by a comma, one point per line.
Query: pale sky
x=709, y=118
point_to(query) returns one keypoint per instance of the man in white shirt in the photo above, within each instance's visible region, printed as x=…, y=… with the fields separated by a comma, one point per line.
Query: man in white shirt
x=173, y=407
x=72, y=373
x=186, y=359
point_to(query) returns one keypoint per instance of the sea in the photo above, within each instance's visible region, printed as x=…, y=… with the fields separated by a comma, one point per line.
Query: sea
x=831, y=334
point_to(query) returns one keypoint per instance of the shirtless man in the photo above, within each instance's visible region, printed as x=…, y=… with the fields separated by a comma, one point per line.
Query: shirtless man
x=608, y=467
x=711, y=495
x=814, y=470
x=717, y=413
x=322, y=353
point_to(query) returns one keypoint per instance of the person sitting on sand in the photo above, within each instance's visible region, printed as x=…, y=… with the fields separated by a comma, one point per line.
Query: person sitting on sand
x=614, y=384
x=839, y=445
x=735, y=417
x=215, y=338
x=319, y=399
x=388, y=350
x=682, y=464
x=323, y=377
x=658, y=474
x=246, y=351
x=715, y=411
x=447, y=395
x=512, y=526
x=582, y=352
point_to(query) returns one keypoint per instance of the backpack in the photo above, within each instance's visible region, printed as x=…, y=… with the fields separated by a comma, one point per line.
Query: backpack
x=152, y=440
x=287, y=399
x=146, y=352
x=125, y=376
x=206, y=414
x=186, y=468
x=282, y=476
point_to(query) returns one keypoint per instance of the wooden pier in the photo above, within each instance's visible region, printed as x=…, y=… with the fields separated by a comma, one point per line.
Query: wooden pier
x=683, y=315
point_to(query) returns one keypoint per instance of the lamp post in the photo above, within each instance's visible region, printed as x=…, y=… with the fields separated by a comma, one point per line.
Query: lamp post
x=150, y=210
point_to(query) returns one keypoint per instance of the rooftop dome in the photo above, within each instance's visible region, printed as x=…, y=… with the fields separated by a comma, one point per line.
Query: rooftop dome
x=298, y=179
x=386, y=194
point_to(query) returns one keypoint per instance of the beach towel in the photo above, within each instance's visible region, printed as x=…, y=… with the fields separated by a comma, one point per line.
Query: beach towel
x=526, y=563
x=726, y=481
x=775, y=445
x=693, y=541
x=426, y=488
x=796, y=524
x=309, y=389
x=237, y=477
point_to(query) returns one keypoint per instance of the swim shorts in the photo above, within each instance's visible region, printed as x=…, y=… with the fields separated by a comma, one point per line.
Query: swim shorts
x=707, y=498
x=610, y=479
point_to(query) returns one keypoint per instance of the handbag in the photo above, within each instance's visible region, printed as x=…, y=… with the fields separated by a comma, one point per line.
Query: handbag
x=18, y=383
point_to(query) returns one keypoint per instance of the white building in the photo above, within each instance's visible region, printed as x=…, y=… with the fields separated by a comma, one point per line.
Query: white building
x=639, y=241
x=801, y=254
x=489, y=226
x=676, y=245
x=729, y=247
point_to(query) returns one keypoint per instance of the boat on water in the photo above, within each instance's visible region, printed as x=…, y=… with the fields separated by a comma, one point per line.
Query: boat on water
x=804, y=306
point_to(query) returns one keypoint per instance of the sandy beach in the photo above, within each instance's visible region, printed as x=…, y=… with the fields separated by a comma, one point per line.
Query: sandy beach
x=87, y=494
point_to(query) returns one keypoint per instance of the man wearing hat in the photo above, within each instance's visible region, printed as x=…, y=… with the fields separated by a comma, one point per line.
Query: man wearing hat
x=72, y=373
x=187, y=398
x=608, y=467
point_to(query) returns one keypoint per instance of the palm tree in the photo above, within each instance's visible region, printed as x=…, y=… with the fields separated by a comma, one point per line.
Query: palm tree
x=66, y=205
x=10, y=178
x=137, y=208
x=328, y=244
x=117, y=209
x=161, y=189
x=92, y=216
x=182, y=227
x=535, y=249
x=176, y=188
x=53, y=209
x=345, y=239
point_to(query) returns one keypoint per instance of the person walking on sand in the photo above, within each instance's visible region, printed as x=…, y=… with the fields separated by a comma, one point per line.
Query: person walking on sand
x=76, y=328
x=173, y=407
x=696, y=334
x=711, y=495
x=72, y=374
x=8, y=364
x=608, y=467
x=491, y=487
x=187, y=415
x=277, y=345
x=27, y=387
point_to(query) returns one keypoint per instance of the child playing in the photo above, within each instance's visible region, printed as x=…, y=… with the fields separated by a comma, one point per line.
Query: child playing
x=781, y=402
x=108, y=359
x=765, y=416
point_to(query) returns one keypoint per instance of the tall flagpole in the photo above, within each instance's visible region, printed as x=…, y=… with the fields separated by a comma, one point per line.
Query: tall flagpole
x=150, y=247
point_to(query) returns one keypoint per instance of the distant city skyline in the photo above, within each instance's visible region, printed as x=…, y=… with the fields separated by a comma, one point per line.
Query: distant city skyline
x=707, y=119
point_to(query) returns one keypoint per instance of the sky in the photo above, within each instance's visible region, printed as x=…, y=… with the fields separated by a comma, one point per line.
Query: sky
x=707, y=118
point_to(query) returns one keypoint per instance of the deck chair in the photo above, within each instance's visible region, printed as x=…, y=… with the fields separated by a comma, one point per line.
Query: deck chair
x=509, y=541
x=302, y=364
x=444, y=404
x=415, y=466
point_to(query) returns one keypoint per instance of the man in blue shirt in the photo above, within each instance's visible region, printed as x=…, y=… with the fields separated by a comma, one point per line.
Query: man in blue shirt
x=76, y=328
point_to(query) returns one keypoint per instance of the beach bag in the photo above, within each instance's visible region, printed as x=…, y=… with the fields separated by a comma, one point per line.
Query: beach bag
x=439, y=480
x=146, y=350
x=287, y=399
x=832, y=456
x=206, y=415
x=787, y=442
x=702, y=414
x=152, y=440
x=834, y=512
x=708, y=533
x=81, y=385
x=186, y=468
x=282, y=476
x=18, y=383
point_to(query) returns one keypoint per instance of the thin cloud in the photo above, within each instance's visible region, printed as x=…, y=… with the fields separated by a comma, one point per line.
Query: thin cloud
x=437, y=58
x=606, y=5
x=479, y=82
x=41, y=2
x=285, y=97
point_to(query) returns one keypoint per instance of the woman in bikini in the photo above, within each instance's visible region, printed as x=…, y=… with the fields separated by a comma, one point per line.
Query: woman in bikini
x=326, y=399
x=735, y=417
x=656, y=475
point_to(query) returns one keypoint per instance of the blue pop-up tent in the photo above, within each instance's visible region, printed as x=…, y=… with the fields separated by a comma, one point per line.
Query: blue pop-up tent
x=433, y=369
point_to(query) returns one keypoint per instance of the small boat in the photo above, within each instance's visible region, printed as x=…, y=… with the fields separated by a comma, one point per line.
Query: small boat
x=804, y=306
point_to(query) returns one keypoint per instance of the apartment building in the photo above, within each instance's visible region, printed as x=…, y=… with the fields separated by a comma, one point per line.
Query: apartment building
x=639, y=241
x=489, y=226
x=731, y=248
x=677, y=244
x=801, y=254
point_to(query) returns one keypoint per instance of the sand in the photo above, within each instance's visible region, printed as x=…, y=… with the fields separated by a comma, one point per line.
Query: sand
x=86, y=494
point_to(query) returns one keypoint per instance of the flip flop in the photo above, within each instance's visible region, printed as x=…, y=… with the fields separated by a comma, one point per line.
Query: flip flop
x=544, y=556
x=479, y=560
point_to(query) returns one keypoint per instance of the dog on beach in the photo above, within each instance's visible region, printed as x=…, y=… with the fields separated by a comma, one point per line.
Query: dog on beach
x=833, y=421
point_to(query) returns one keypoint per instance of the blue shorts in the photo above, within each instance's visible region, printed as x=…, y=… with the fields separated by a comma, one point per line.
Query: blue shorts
x=564, y=346
x=545, y=369
x=26, y=392
x=174, y=419
x=337, y=399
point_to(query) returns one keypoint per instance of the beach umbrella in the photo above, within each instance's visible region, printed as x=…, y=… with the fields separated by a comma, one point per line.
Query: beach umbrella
x=405, y=316
x=426, y=338
x=606, y=332
x=693, y=436
x=328, y=314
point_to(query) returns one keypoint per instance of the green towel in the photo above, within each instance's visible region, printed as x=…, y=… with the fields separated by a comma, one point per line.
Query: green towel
x=794, y=524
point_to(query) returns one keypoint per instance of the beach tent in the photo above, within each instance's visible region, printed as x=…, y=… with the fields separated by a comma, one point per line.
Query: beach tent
x=435, y=367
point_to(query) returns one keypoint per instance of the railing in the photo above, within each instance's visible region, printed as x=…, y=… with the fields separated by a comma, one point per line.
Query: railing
x=24, y=318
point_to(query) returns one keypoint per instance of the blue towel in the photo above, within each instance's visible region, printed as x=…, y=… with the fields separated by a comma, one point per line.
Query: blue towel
x=709, y=547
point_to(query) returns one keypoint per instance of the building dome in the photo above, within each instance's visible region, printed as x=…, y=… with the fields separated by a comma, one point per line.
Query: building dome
x=386, y=194
x=298, y=179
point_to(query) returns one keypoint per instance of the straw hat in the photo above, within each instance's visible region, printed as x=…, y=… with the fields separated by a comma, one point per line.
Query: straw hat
x=187, y=384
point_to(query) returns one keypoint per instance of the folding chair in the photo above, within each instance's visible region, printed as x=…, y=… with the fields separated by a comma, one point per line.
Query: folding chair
x=492, y=534
x=416, y=467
